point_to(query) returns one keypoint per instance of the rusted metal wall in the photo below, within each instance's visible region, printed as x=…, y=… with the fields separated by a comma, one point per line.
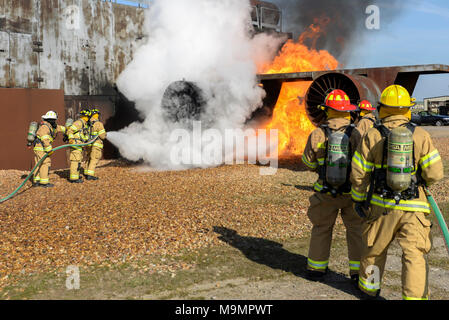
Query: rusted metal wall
x=19, y=108
x=77, y=47
x=80, y=46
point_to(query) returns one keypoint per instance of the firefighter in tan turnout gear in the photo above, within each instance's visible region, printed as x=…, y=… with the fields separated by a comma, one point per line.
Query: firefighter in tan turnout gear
x=367, y=120
x=392, y=163
x=78, y=133
x=95, y=150
x=46, y=133
x=328, y=152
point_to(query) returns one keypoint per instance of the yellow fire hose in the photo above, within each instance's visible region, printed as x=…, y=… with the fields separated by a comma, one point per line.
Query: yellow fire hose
x=40, y=162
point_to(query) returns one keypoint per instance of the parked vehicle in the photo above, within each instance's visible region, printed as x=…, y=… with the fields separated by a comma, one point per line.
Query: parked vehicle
x=430, y=118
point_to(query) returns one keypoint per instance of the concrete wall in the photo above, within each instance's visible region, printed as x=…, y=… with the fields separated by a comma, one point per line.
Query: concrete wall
x=80, y=46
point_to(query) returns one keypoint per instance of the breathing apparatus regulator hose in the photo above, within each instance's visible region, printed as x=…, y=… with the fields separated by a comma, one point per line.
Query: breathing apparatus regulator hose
x=41, y=161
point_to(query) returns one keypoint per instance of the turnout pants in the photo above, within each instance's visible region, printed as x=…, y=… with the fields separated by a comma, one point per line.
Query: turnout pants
x=322, y=213
x=95, y=155
x=412, y=231
x=41, y=173
x=76, y=156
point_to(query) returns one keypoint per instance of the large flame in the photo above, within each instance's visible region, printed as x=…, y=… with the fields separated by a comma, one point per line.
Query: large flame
x=289, y=114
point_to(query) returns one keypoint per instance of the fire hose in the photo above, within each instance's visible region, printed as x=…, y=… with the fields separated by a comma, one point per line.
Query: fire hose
x=38, y=164
x=440, y=218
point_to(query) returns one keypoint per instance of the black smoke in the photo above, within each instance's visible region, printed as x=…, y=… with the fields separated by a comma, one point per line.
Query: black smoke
x=342, y=21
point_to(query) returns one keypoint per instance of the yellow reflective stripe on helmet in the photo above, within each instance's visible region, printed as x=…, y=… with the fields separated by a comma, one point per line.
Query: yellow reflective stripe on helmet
x=312, y=165
x=411, y=298
x=429, y=159
x=320, y=265
x=357, y=196
x=371, y=287
x=360, y=161
x=404, y=205
x=354, y=265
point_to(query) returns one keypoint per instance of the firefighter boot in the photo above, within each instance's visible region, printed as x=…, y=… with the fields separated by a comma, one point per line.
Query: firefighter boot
x=315, y=275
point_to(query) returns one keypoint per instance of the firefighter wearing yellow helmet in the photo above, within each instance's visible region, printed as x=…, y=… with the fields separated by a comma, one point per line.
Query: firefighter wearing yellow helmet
x=328, y=152
x=78, y=133
x=389, y=168
x=45, y=135
x=95, y=150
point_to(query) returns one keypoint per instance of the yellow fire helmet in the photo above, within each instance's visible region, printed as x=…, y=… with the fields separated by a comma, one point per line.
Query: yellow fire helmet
x=397, y=96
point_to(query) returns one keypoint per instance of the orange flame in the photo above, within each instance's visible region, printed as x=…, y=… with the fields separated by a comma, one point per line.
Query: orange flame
x=289, y=114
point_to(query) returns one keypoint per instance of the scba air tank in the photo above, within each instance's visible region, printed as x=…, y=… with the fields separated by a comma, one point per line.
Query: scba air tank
x=400, y=159
x=337, y=159
x=69, y=123
x=32, y=132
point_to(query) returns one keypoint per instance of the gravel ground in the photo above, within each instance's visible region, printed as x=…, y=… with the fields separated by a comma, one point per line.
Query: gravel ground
x=133, y=212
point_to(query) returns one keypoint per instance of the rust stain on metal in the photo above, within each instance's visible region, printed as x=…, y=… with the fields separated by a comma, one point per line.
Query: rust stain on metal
x=24, y=106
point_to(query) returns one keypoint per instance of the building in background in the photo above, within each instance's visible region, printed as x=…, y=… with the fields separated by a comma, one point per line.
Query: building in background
x=439, y=105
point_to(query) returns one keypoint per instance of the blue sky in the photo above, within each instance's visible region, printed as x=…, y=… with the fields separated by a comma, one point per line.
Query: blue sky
x=418, y=35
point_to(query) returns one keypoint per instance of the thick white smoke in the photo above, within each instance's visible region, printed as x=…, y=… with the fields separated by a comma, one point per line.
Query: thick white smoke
x=203, y=41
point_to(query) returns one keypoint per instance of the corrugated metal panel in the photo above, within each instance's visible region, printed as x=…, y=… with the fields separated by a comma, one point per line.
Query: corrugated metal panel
x=76, y=45
x=24, y=68
x=4, y=59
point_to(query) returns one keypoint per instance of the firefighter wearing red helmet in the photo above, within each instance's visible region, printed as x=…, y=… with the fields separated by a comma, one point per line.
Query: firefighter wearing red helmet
x=367, y=119
x=328, y=152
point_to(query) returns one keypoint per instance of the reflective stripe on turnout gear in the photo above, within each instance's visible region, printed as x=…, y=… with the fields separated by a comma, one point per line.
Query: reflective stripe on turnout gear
x=411, y=298
x=362, y=163
x=354, y=265
x=313, y=165
x=404, y=205
x=429, y=159
x=319, y=265
x=370, y=287
x=356, y=196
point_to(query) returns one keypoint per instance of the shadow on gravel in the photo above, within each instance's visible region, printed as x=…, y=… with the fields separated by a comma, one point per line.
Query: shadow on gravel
x=299, y=187
x=273, y=255
x=121, y=163
x=63, y=174
x=292, y=163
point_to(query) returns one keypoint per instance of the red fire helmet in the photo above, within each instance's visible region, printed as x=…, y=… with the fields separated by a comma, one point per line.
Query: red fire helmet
x=366, y=105
x=339, y=101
